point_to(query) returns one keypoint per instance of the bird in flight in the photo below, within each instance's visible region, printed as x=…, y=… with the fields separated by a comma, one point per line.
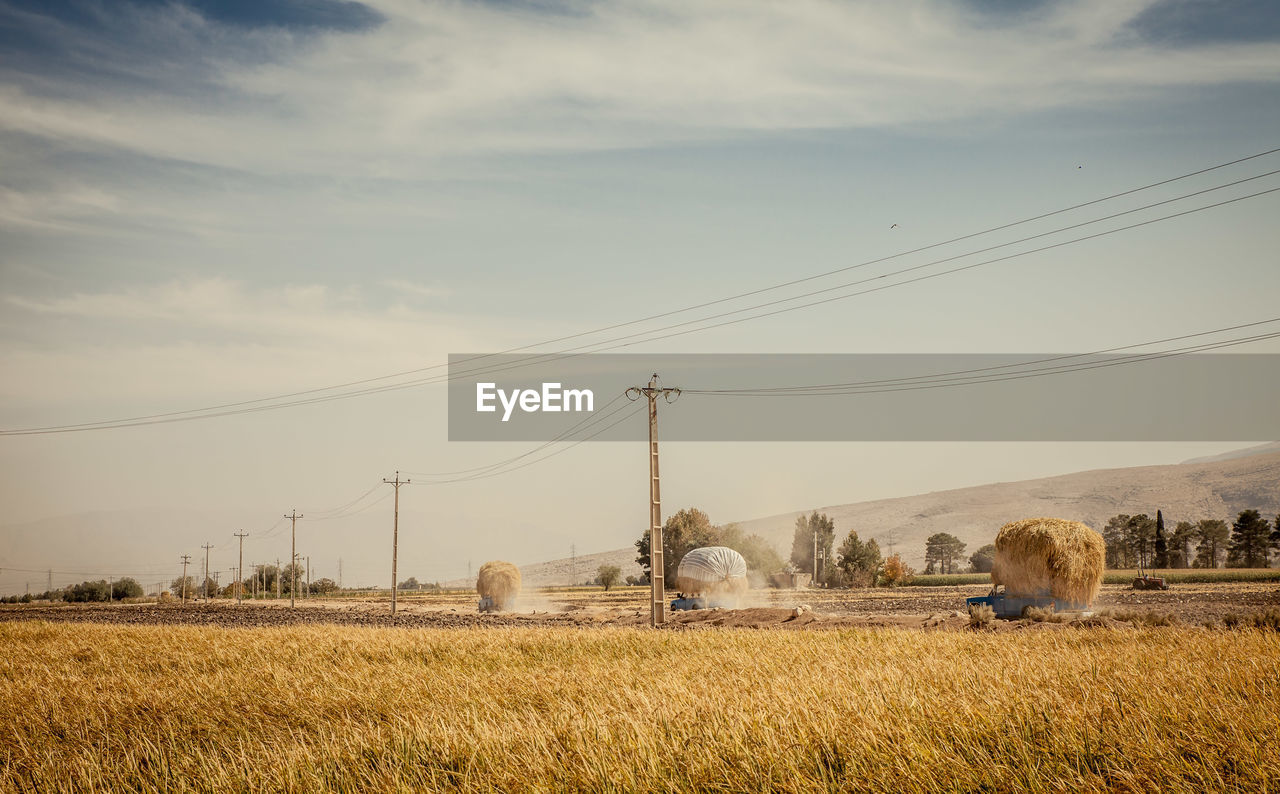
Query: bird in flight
x=894, y=226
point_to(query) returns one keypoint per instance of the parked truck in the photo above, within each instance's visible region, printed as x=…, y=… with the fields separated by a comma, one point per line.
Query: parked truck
x=1012, y=606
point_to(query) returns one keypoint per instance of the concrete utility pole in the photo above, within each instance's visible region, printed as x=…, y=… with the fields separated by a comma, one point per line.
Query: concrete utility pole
x=279, y=576
x=658, y=613
x=307, y=591
x=293, y=568
x=50, y=580
x=339, y=573
x=815, y=556
x=573, y=564
x=395, y=537
x=186, y=558
x=240, y=572
x=204, y=586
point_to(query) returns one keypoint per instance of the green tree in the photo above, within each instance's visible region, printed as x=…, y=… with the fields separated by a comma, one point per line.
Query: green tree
x=176, y=587
x=608, y=576
x=1180, y=544
x=126, y=588
x=1161, y=548
x=266, y=576
x=942, y=549
x=1140, y=535
x=1250, y=541
x=688, y=529
x=409, y=584
x=1212, y=535
x=1115, y=536
x=295, y=572
x=87, y=591
x=981, y=560
x=802, y=538
x=324, y=586
x=859, y=561
x=761, y=556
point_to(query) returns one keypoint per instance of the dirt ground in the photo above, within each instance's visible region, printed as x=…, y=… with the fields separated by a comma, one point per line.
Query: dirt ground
x=926, y=608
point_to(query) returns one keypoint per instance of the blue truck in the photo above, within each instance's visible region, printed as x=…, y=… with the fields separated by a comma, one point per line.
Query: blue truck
x=1006, y=605
x=685, y=602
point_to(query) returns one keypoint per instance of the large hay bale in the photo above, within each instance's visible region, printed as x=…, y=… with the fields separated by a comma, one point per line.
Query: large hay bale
x=1037, y=556
x=717, y=573
x=500, y=583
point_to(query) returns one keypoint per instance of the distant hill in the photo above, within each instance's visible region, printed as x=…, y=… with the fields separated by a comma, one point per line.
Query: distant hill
x=1261, y=449
x=1214, y=489
x=567, y=570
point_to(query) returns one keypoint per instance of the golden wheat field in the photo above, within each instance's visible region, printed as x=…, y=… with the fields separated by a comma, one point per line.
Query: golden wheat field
x=307, y=708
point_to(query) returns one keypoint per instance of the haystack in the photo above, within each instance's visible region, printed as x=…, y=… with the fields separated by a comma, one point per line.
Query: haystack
x=716, y=572
x=499, y=582
x=1051, y=556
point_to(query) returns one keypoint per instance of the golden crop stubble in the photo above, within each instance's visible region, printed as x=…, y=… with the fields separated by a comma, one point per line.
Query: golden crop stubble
x=173, y=708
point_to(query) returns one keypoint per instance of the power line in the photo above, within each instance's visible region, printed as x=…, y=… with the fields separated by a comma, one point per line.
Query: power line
x=526, y=464
x=1140, y=358
x=926, y=277
x=594, y=418
x=218, y=410
x=969, y=374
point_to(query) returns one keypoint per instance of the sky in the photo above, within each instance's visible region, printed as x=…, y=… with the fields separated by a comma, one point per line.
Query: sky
x=210, y=202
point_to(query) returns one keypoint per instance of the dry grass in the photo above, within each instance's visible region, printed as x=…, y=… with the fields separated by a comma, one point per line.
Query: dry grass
x=334, y=708
x=1050, y=555
x=981, y=616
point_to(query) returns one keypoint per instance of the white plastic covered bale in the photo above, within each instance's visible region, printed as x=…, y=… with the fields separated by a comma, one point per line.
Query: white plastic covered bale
x=712, y=571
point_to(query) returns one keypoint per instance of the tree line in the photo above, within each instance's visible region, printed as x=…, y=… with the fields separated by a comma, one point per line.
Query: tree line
x=856, y=563
x=1140, y=540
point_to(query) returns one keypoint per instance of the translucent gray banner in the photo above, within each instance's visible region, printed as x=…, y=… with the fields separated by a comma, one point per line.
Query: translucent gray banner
x=863, y=397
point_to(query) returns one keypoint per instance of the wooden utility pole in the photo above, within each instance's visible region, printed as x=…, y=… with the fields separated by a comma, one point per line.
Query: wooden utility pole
x=186, y=558
x=204, y=586
x=395, y=537
x=658, y=607
x=293, y=557
x=240, y=570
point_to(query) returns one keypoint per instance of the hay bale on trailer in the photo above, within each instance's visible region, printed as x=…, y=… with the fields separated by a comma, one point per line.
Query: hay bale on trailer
x=717, y=573
x=498, y=585
x=1038, y=556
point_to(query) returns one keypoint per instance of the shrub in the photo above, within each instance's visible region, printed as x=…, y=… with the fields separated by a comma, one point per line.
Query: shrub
x=895, y=572
x=1142, y=618
x=1045, y=615
x=1266, y=620
x=981, y=616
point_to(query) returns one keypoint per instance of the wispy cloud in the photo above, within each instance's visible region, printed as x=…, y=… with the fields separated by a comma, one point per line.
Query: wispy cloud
x=215, y=337
x=445, y=79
